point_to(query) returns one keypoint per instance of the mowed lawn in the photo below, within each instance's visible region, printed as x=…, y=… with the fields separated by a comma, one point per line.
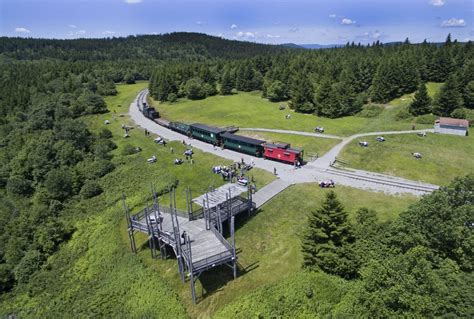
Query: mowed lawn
x=311, y=145
x=189, y=174
x=444, y=156
x=268, y=245
x=250, y=110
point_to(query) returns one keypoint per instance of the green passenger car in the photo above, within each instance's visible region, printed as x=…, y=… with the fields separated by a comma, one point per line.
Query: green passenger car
x=243, y=144
x=206, y=133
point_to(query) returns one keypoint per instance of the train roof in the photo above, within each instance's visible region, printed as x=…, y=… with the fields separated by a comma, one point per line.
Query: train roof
x=284, y=146
x=212, y=129
x=244, y=139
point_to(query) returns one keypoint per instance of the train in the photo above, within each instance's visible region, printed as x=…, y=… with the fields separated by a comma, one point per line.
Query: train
x=225, y=137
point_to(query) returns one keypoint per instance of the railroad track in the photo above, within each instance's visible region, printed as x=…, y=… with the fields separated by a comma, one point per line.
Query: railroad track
x=399, y=184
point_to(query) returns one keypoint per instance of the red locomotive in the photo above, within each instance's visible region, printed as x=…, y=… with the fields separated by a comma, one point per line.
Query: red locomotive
x=283, y=152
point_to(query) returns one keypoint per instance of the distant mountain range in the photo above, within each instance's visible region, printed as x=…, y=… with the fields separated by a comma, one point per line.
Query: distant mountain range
x=311, y=46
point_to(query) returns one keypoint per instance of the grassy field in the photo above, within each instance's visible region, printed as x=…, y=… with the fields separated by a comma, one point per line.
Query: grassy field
x=250, y=110
x=311, y=145
x=444, y=157
x=268, y=245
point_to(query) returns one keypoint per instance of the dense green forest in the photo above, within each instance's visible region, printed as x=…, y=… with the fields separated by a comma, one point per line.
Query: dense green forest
x=51, y=162
x=332, y=82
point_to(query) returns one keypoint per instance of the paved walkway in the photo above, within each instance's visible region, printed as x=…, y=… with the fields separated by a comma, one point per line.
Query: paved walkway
x=313, y=171
x=269, y=191
x=292, y=132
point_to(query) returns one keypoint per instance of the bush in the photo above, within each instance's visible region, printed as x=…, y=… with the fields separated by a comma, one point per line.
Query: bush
x=459, y=114
x=195, y=89
x=90, y=189
x=402, y=114
x=105, y=133
x=90, y=169
x=426, y=119
x=59, y=183
x=30, y=263
x=19, y=185
x=172, y=97
x=371, y=110
x=129, y=150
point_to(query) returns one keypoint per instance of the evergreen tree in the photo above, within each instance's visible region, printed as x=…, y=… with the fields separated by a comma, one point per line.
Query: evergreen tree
x=327, y=236
x=302, y=94
x=469, y=95
x=421, y=103
x=321, y=99
x=448, y=99
x=226, y=84
x=276, y=91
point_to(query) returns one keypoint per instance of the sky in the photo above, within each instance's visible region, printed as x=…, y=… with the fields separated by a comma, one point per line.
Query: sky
x=263, y=21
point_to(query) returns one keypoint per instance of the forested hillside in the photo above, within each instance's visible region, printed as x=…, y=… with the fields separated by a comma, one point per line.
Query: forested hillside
x=333, y=82
x=49, y=159
x=59, y=179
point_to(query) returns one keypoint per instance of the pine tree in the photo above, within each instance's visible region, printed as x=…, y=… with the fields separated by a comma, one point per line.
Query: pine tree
x=321, y=99
x=448, y=99
x=326, y=239
x=302, y=94
x=421, y=103
x=469, y=95
x=226, y=84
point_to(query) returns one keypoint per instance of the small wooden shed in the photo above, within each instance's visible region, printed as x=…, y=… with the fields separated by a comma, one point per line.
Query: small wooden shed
x=446, y=125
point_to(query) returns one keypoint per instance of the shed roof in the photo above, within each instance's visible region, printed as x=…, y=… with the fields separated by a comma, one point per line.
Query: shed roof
x=453, y=122
x=212, y=129
x=243, y=139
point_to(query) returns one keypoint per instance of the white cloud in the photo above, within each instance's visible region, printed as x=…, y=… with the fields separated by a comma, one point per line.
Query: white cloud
x=347, y=21
x=81, y=32
x=220, y=35
x=453, y=23
x=273, y=36
x=294, y=30
x=437, y=3
x=133, y=1
x=248, y=35
x=201, y=23
x=107, y=32
x=72, y=26
x=372, y=35
x=233, y=26
x=22, y=30
x=332, y=15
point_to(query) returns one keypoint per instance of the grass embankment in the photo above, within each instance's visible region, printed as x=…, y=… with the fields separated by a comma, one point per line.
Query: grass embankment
x=250, y=110
x=444, y=156
x=268, y=245
x=312, y=145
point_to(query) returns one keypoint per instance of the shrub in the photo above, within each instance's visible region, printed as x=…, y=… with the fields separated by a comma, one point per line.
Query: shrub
x=129, y=150
x=459, y=113
x=90, y=189
x=105, y=133
x=172, y=97
x=371, y=110
x=59, y=183
x=19, y=185
x=402, y=114
x=30, y=263
x=426, y=119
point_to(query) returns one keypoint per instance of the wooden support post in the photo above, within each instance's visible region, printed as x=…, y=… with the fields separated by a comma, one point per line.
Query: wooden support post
x=219, y=219
x=130, y=230
x=234, y=258
x=151, y=243
x=191, y=270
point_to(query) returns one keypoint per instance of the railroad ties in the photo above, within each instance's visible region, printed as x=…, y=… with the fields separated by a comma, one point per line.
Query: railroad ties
x=196, y=236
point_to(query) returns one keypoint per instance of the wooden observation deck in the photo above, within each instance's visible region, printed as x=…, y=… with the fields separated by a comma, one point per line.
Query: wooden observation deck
x=195, y=236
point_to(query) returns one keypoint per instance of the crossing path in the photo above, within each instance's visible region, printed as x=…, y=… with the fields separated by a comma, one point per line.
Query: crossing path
x=319, y=169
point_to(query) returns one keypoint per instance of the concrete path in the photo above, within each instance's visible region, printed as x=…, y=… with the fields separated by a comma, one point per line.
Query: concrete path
x=269, y=191
x=291, y=132
x=314, y=171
